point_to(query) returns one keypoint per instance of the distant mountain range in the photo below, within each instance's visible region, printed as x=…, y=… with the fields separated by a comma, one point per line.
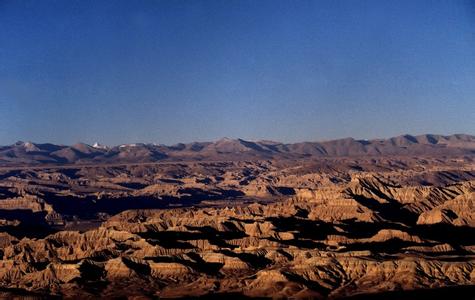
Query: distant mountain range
x=27, y=153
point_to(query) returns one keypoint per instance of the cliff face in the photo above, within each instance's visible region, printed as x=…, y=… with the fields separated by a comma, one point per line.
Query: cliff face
x=327, y=228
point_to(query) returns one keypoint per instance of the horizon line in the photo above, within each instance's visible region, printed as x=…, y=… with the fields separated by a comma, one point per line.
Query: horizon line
x=242, y=139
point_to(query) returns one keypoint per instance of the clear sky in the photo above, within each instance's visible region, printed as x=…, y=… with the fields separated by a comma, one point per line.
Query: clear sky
x=172, y=71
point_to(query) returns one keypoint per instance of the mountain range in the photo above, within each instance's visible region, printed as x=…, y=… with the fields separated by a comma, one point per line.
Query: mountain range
x=28, y=153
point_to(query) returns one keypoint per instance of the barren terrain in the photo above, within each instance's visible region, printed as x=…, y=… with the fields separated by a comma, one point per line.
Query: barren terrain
x=235, y=218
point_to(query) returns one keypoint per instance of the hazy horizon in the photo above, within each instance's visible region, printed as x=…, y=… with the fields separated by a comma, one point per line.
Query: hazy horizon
x=119, y=72
x=235, y=138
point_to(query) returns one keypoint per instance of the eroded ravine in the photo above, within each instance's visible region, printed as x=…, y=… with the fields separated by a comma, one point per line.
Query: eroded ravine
x=323, y=229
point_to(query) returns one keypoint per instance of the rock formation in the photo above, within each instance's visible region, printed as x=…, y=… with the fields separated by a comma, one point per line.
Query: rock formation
x=328, y=227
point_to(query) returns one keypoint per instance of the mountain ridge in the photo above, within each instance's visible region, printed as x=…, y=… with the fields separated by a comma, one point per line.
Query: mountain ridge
x=28, y=153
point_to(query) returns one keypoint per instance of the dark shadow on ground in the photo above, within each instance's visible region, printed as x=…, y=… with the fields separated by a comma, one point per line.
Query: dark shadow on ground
x=456, y=292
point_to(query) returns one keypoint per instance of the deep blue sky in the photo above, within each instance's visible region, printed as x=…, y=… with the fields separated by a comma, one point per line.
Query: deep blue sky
x=170, y=71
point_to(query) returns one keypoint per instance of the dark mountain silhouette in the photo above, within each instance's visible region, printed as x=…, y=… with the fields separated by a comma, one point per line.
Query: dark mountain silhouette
x=27, y=153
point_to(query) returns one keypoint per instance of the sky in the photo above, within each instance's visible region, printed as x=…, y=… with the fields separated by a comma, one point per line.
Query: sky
x=179, y=71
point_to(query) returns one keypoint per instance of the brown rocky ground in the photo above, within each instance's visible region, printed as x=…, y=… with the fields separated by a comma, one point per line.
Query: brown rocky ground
x=302, y=228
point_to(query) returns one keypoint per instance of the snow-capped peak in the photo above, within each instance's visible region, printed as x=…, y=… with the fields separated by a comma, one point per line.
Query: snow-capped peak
x=99, y=146
x=28, y=146
x=128, y=145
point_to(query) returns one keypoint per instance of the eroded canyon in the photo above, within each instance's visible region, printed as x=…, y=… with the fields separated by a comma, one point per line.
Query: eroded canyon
x=306, y=227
